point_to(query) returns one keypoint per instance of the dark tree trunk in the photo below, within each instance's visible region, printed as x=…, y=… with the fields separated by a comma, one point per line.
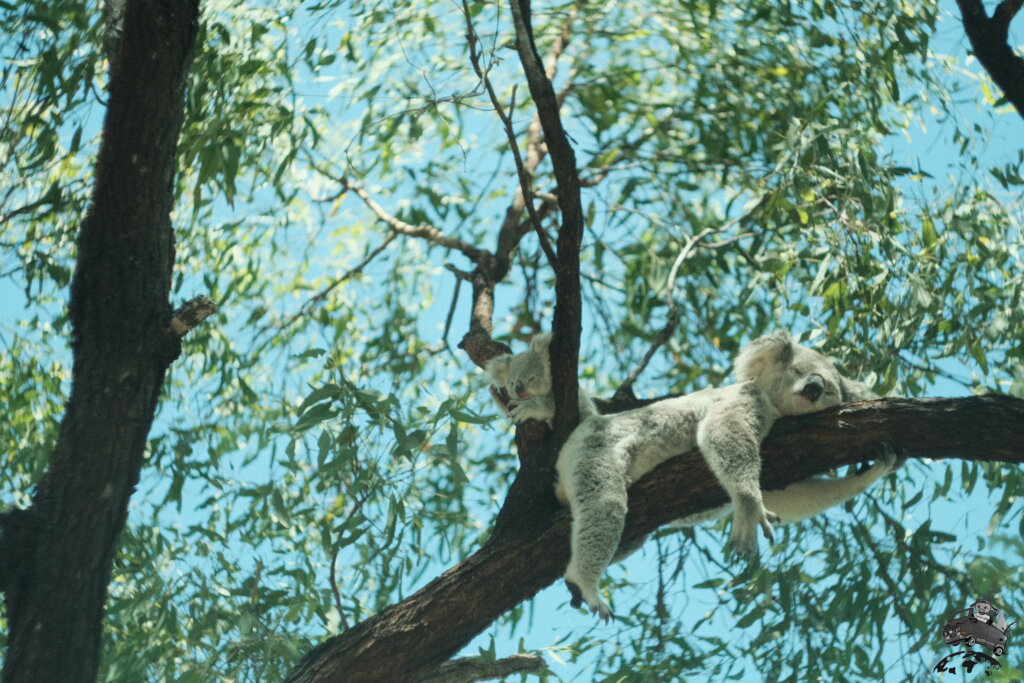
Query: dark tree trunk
x=57, y=555
x=406, y=641
x=989, y=41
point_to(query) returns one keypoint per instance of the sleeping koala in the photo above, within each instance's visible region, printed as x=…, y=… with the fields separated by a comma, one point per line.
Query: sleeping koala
x=526, y=377
x=607, y=453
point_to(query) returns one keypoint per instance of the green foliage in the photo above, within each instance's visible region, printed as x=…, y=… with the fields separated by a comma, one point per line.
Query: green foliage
x=743, y=166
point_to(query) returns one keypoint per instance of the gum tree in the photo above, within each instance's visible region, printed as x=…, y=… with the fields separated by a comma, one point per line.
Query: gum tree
x=322, y=491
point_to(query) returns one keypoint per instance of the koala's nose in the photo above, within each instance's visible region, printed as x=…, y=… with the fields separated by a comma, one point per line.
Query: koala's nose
x=519, y=387
x=813, y=388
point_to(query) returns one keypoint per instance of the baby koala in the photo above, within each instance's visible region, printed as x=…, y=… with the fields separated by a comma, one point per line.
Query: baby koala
x=607, y=453
x=526, y=377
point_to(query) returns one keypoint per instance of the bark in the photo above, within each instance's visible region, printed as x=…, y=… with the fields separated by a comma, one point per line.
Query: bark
x=57, y=554
x=565, y=345
x=407, y=641
x=989, y=41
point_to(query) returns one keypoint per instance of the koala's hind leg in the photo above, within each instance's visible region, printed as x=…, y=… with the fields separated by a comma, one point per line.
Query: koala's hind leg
x=730, y=444
x=595, y=484
x=809, y=497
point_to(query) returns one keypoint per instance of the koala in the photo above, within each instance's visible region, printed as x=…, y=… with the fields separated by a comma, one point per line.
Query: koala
x=526, y=377
x=607, y=453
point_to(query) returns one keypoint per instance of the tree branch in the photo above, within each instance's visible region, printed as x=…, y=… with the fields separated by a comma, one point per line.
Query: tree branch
x=566, y=326
x=468, y=669
x=510, y=133
x=409, y=640
x=426, y=232
x=988, y=38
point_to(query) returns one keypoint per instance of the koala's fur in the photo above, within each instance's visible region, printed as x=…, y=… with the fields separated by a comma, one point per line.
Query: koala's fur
x=607, y=453
x=526, y=377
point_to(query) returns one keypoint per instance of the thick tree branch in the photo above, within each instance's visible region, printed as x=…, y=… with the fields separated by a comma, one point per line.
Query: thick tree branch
x=469, y=669
x=409, y=640
x=568, y=303
x=59, y=555
x=989, y=38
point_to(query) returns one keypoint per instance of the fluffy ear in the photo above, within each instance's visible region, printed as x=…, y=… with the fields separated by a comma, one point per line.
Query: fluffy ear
x=541, y=342
x=852, y=390
x=763, y=352
x=497, y=368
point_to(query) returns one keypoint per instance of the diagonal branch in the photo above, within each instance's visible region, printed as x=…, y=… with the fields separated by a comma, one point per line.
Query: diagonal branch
x=568, y=301
x=425, y=231
x=510, y=133
x=407, y=641
x=988, y=38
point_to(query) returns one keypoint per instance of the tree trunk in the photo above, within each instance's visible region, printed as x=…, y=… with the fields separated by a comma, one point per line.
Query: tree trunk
x=57, y=555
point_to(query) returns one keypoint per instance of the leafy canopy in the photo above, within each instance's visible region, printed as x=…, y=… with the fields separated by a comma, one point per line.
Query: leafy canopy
x=324, y=448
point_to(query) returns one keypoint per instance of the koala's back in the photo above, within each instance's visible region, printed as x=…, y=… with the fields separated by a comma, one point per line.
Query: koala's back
x=663, y=429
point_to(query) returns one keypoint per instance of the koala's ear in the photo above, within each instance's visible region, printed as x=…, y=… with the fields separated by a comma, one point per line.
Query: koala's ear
x=497, y=368
x=757, y=356
x=541, y=342
x=852, y=390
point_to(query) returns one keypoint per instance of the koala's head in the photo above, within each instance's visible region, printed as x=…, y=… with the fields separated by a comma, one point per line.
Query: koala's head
x=525, y=374
x=796, y=379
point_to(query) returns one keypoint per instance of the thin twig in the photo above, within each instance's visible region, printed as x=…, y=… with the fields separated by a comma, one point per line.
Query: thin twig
x=451, y=311
x=684, y=254
x=524, y=177
x=425, y=231
x=332, y=577
x=334, y=590
x=625, y=389
x=352, y=272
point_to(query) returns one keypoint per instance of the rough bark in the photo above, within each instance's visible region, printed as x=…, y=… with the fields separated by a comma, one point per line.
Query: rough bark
x=566, y=326
x=989, y=41
x=58, y=553
x=406, y=641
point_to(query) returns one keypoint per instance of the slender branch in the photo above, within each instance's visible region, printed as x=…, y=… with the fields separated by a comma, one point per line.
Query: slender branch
x=350, y=273
x=425, y=231
x=524, y=177
x=332, y=577
x=625, y=390
x=451, y=310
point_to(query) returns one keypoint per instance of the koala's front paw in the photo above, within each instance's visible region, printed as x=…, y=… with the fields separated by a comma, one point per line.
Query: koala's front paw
x=531, y=409
x=745, y=521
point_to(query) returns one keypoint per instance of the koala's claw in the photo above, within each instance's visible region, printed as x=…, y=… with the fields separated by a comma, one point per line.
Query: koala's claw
x=596, y=606
x=766, y=526
x=500, y=401
x=743, y=539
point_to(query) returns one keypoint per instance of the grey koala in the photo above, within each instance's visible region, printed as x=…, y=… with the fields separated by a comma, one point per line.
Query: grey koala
x=606, y=453
x=526, y=376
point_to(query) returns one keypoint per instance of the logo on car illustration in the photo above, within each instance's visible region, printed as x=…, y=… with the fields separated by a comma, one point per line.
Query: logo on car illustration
x=980, y=624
